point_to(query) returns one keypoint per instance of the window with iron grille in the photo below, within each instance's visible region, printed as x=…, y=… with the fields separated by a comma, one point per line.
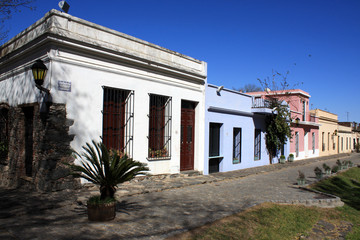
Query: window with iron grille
x=237, y=145
x=118, y=120
x=257, y=145
x=159, y=127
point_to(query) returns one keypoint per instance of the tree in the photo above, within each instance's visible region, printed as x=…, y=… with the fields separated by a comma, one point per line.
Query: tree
x=249, y=88
x=277, y=125
x=7, y=8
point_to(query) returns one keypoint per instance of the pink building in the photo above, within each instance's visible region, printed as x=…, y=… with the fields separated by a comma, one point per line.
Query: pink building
x=304, y=125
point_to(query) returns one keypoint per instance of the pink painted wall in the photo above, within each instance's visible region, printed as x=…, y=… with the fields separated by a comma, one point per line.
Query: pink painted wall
x=295, y=99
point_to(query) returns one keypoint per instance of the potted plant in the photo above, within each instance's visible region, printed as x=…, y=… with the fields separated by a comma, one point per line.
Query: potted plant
x=335, y=169
x=339, y=164
x=282, y=159
x=351, y=164
x=301, y=179
x=327, y=169
x=345, y=164
x=318, y=173
x=291, y=157
x=106, y=169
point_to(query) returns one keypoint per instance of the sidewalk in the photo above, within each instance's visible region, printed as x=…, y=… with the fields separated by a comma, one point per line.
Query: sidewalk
x=172, y=205
x=163, y=182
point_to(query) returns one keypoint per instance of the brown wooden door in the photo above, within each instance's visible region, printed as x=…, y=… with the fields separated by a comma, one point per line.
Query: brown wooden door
x=187, y=135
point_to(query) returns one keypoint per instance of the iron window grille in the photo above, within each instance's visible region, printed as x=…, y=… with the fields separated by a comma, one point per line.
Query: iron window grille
x=236, y=145
x=257, y=145
x=118, y=120
x=159, y=137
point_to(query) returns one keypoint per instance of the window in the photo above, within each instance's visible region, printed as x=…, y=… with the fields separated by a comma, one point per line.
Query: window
x=159, y=126
x=236, y=145
x=297, y=143
x=328, y=142
x=257, y=145
x=342, y=144
x=118, y=119
x=333, y=141
x=214, y=140
x=304, y=111
x=323, y=141
x=214, y=147
x=313, y=142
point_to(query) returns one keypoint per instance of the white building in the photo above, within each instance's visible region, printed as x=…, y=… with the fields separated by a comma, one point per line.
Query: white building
x=138, y=97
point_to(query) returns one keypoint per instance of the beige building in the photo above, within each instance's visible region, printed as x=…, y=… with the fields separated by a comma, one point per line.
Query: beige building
x=328, y=132
x=344, y=139
x=351, y=131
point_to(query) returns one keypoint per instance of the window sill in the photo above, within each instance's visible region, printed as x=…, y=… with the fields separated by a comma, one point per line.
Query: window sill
x=213, y=157
x=158, y=158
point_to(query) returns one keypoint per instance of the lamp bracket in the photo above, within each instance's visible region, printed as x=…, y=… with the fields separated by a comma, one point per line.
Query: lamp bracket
x=42, y=89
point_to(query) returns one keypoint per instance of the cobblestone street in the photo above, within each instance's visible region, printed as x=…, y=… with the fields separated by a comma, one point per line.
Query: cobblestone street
x=172, y=205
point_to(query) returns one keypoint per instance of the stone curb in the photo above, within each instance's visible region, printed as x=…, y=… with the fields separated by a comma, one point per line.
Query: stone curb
x=331, y=202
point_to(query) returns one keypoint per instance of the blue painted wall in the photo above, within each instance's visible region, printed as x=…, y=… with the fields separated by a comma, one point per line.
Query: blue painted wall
x=233, y=110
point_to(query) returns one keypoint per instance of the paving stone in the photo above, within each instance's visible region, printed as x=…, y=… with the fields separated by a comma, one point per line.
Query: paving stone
x=171, y=204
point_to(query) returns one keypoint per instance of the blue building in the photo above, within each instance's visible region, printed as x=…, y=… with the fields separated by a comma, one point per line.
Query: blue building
x=234, y=131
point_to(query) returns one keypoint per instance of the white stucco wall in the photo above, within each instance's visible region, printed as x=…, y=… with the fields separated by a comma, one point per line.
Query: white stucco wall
x=89, y=56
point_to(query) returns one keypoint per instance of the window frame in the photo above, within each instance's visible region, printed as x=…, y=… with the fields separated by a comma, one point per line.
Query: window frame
x=118, y=119
x=214, y=139
x=257, y=145
x=237, y=137
x=160, y=127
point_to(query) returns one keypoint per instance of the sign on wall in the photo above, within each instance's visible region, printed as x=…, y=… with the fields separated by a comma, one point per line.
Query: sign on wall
x=64, y=86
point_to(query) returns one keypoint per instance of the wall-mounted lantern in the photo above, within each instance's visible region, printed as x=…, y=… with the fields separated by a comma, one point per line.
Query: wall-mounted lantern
x=39, y=71
x=297, y=121
x=335, y=132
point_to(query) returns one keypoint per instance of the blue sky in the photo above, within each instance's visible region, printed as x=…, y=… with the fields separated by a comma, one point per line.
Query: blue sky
x=318, y=41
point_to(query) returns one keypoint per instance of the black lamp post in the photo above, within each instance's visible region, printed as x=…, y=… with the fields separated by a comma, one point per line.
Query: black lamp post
x=39, y=72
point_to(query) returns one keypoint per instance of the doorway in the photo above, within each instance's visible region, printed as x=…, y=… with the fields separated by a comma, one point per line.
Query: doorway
x=187, y=135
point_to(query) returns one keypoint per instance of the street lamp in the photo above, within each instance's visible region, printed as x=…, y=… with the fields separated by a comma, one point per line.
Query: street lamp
x=39, y=72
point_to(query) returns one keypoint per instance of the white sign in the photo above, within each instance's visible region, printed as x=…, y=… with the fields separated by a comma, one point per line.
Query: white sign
x=64, y=86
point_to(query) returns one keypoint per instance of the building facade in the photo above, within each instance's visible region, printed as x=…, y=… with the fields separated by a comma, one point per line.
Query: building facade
x=345, y=138
x=234, y=131
x=328, y=132
x=137, y=97
x=304, y=125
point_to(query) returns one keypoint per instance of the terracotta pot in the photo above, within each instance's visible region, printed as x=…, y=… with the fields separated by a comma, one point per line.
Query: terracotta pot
x=101, y=212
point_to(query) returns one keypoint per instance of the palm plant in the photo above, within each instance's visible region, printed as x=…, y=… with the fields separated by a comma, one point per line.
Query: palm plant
x=105, y=168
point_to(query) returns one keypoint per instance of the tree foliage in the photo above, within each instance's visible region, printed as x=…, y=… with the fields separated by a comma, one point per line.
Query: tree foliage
x=8, y=8
x=249, y=88
x=277, y=127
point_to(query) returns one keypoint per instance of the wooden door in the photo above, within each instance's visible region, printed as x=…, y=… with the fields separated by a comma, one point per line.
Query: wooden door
x=187, y=136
